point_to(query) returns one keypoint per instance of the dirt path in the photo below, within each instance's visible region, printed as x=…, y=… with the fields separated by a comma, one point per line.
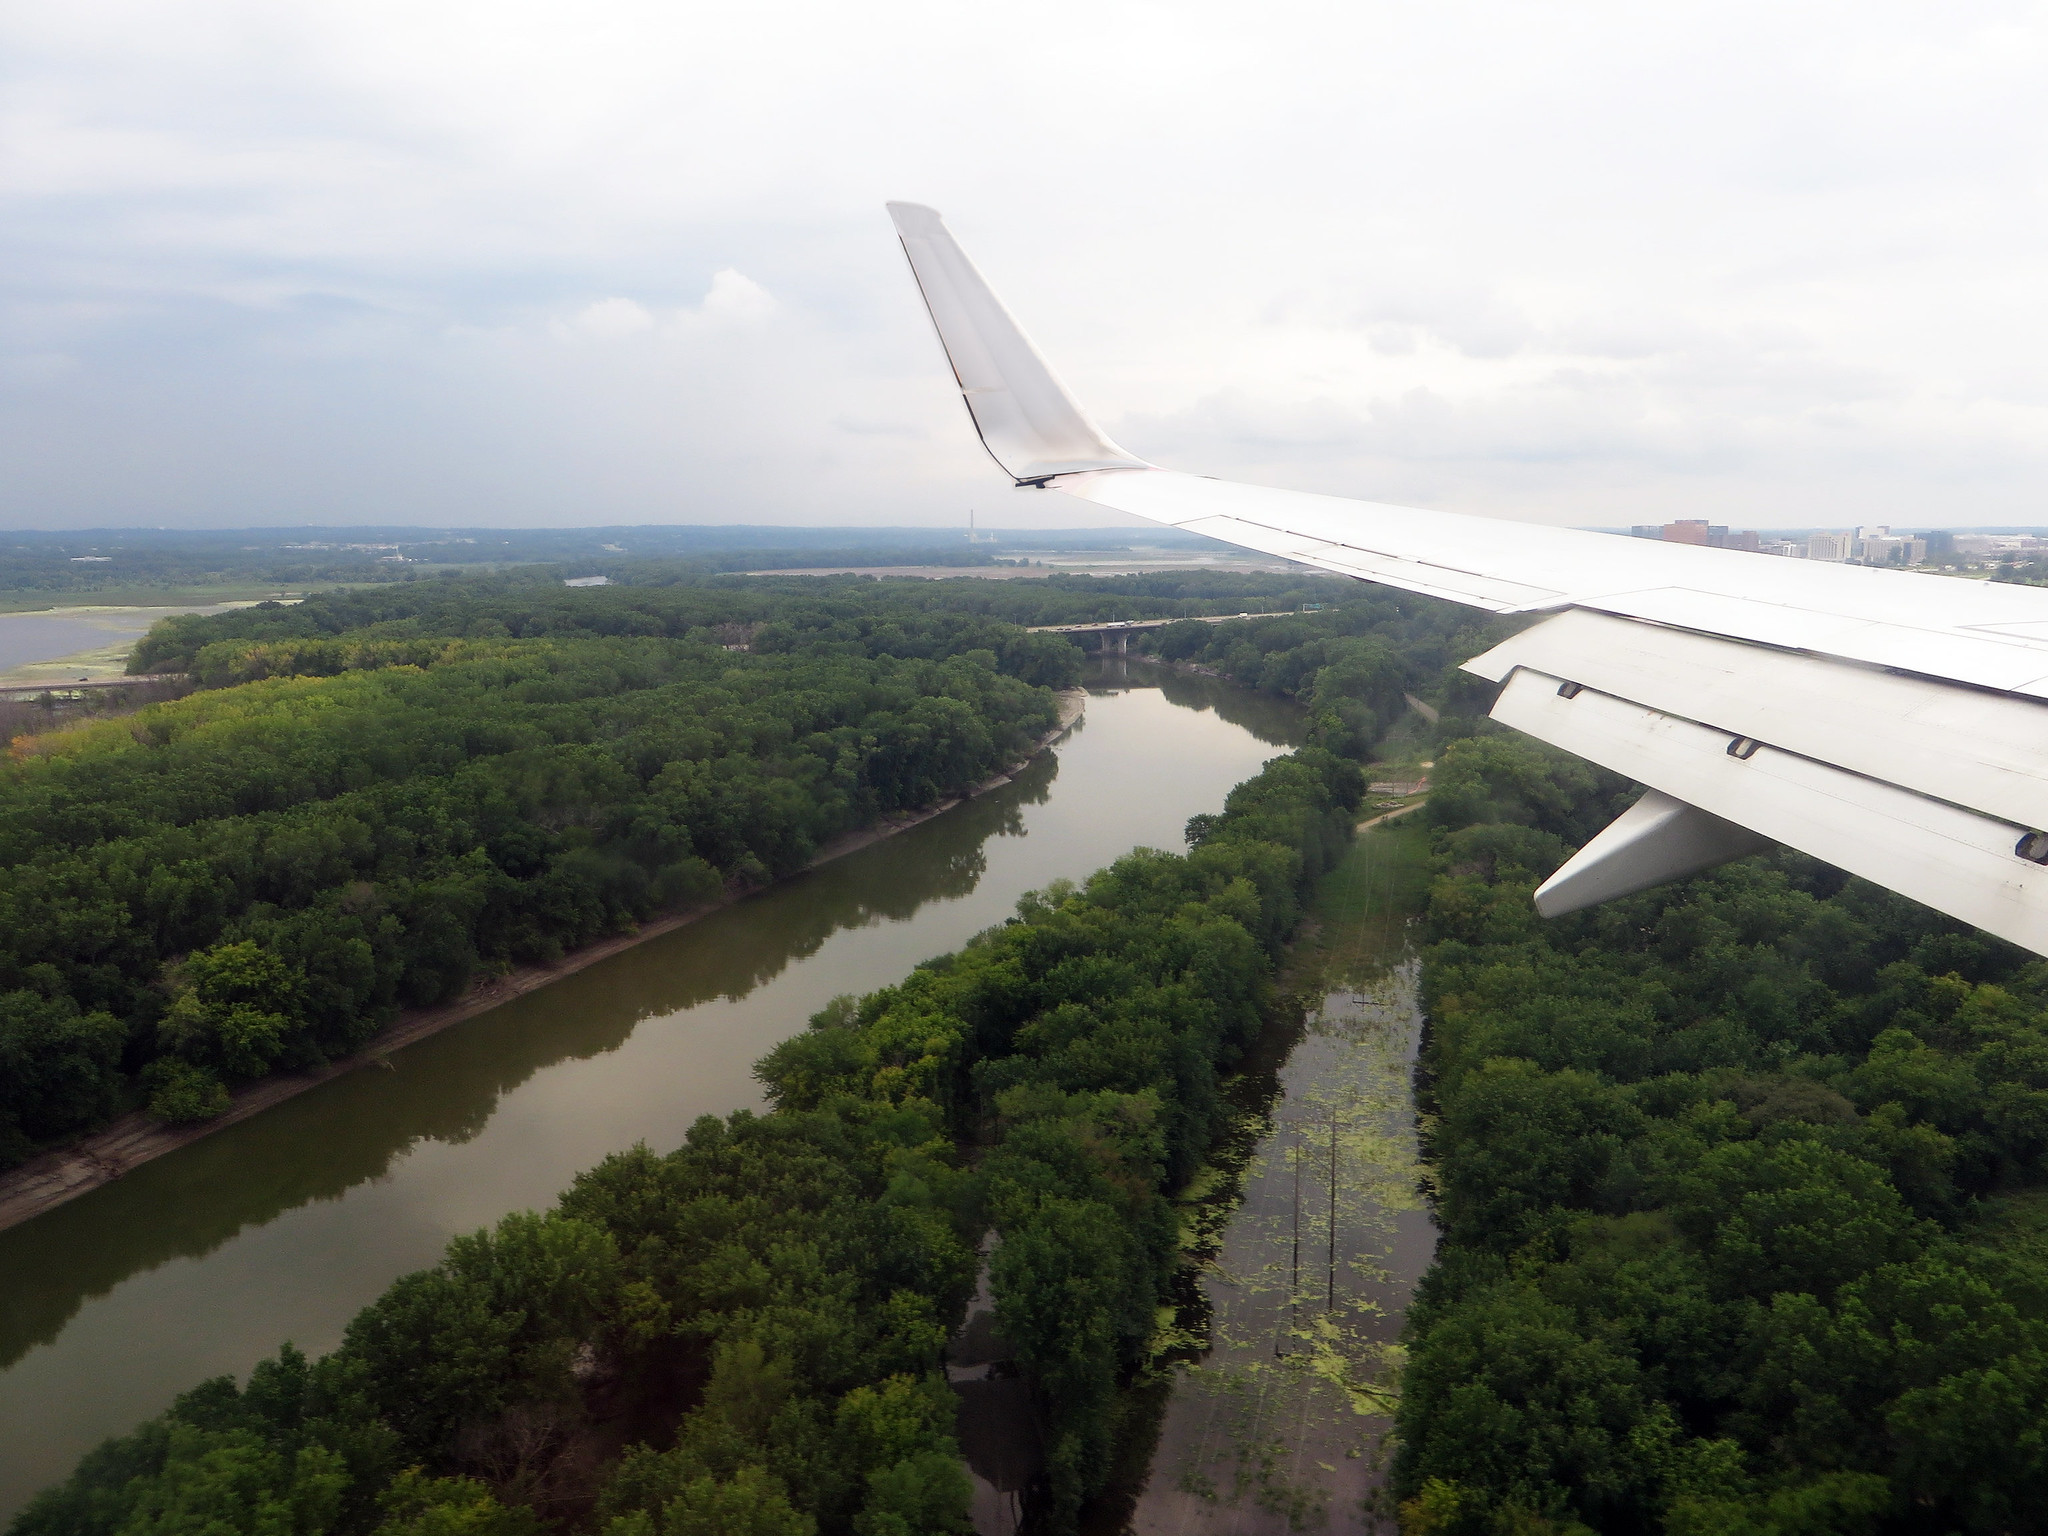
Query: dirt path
x=54, y=1177
x=1372, y=822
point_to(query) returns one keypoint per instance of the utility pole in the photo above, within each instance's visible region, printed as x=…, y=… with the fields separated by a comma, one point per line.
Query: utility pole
x=1294, y=1285
x=1330, y=1303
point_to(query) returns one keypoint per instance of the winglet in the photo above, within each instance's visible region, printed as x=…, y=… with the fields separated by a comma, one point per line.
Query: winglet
x=1028, y=422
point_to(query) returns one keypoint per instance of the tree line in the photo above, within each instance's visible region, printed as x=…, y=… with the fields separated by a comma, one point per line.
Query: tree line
x=744, y=1336
x=136, y=559
x=1743, y=1186
x=676, y=601
x=1351, y=665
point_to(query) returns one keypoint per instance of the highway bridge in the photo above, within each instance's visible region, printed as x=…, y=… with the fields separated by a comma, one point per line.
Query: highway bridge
x=1116, y=633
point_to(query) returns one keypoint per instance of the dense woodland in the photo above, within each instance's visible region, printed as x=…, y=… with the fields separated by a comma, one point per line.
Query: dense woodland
x=381, y=795
x=673, y=602
x=259, y=875
x=1740, y=1180
x=743, y=1337
x=1744, y=1194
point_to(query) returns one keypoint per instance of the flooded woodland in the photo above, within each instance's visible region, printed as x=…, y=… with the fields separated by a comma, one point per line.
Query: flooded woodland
x=1268, y=1403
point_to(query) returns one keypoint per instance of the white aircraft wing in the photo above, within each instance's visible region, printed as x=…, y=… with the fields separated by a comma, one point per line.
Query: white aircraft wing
x=1891, y=723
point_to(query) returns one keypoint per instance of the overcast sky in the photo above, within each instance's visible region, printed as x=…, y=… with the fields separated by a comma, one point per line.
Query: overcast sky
x=443, y=261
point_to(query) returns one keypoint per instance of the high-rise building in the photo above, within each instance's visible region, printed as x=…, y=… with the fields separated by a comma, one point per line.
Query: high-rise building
x=1827, y=546
x=1880, y=546
x=1696, y=530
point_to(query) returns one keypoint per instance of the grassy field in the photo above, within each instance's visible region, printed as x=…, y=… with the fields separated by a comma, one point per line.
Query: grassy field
x=1362, y=905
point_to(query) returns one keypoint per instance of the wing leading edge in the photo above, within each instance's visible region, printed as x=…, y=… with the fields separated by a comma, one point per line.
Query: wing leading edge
x=1895, y=725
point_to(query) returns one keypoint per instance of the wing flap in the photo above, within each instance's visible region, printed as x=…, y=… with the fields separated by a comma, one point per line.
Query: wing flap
x=1985, y=751
x=1951, y=859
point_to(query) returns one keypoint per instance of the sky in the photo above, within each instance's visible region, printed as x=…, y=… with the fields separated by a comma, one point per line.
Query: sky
x=520, y=264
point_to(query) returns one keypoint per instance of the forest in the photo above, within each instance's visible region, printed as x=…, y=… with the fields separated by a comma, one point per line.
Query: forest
x=673, y=601
x=1740, y=1181
x=1743, y=1186
x=381, y=795
x=743, y=1336
x=259, y=875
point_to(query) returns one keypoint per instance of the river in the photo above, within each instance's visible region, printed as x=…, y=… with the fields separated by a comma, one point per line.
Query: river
x=97, y=640
x=282, y=1227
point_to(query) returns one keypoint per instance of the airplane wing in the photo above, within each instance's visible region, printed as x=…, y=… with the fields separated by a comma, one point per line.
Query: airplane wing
x=1891, y=723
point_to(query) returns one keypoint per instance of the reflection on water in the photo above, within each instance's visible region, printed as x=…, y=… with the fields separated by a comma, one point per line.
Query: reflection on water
x=997, y=1419
x=283, y=1226
x=446, y=1088
x=1276, y=1426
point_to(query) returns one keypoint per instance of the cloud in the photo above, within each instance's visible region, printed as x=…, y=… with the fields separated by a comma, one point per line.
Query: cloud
x=874, y=427
x=606, y=320
x=447, y=260
x=734, y=299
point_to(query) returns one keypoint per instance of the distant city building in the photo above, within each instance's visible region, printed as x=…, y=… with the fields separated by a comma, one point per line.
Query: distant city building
x=587, y=581
x=1697, y=530
x=1791, y=549
x=1828, y=546
x=2005, y=545
x=1941, y=544
x=1878, y=545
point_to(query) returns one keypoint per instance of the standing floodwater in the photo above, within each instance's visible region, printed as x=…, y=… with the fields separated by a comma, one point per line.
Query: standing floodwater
x=1277, y=1426
x=284, y=1226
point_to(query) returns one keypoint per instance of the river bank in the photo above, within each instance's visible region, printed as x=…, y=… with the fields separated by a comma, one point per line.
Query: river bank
x=51, y=1178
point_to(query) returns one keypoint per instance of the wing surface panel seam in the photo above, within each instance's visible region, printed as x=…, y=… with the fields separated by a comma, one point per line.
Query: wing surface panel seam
x=1779, y=750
